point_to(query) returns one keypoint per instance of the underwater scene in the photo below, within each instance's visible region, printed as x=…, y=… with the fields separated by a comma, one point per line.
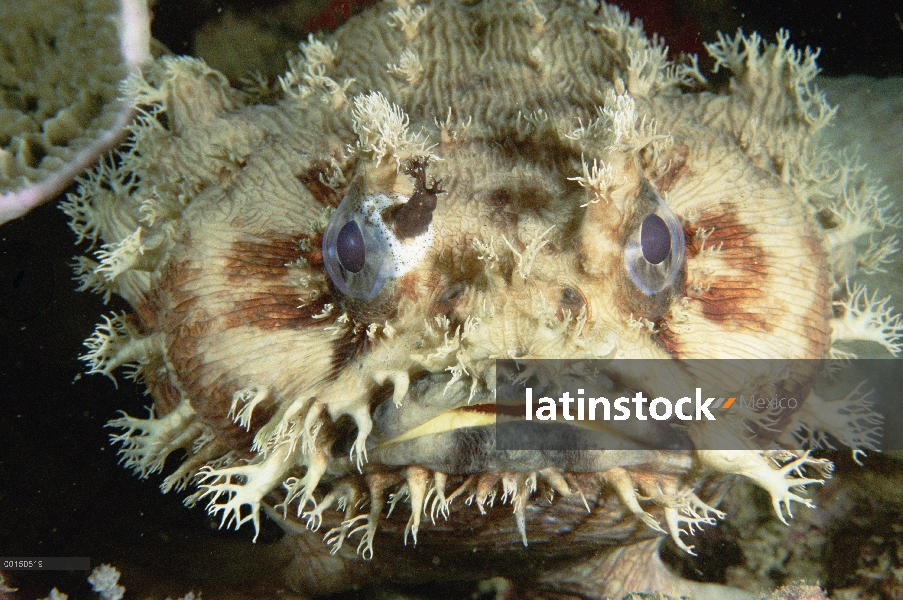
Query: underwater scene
x=478, y=299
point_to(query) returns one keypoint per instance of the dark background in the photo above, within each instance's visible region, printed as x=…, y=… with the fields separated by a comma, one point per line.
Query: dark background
x=61, y=493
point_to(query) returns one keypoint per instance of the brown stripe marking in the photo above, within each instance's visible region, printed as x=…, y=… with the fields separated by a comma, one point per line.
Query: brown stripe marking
x=732, y=300
x=275, y=308
x=262, y=260
x=667, y=338
x=166, y=395
x=692, y=243
x=321, y=192
x=407, y=287
x=348, y=346
x=209, y=388
x=260, y=273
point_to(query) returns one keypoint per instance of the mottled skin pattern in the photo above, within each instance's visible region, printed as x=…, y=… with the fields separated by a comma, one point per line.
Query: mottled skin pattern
x=544, y=135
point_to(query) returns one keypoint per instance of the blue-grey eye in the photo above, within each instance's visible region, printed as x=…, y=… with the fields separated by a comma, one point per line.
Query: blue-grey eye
x=350, y=248
x=362, y=250
x=356, y=254
x=654, y=255
x=655, y=239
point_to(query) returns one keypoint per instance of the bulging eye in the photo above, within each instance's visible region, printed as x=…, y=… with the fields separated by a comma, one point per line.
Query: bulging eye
x=361, y=249
x=356, y=254
x=654, y=255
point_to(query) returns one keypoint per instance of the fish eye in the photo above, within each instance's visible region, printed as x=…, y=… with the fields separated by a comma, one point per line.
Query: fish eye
x=355, y=254
x=654, y=255
x=362, y=250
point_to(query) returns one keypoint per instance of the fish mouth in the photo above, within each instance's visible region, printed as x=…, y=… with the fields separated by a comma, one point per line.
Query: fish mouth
x=440, y=425
x=437, y=450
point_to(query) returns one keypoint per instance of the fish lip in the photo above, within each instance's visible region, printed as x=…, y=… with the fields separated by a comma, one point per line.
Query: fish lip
x=484, y=414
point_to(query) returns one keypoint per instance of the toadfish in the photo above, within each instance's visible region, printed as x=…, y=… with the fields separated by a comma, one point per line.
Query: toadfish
x=322, y=284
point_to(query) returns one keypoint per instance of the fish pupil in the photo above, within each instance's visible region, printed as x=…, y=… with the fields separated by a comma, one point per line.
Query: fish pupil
x=655, y=239
x=350, y=247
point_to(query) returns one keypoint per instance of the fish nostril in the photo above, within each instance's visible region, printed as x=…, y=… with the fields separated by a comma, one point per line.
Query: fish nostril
x=448, y=300
x=571, y=300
